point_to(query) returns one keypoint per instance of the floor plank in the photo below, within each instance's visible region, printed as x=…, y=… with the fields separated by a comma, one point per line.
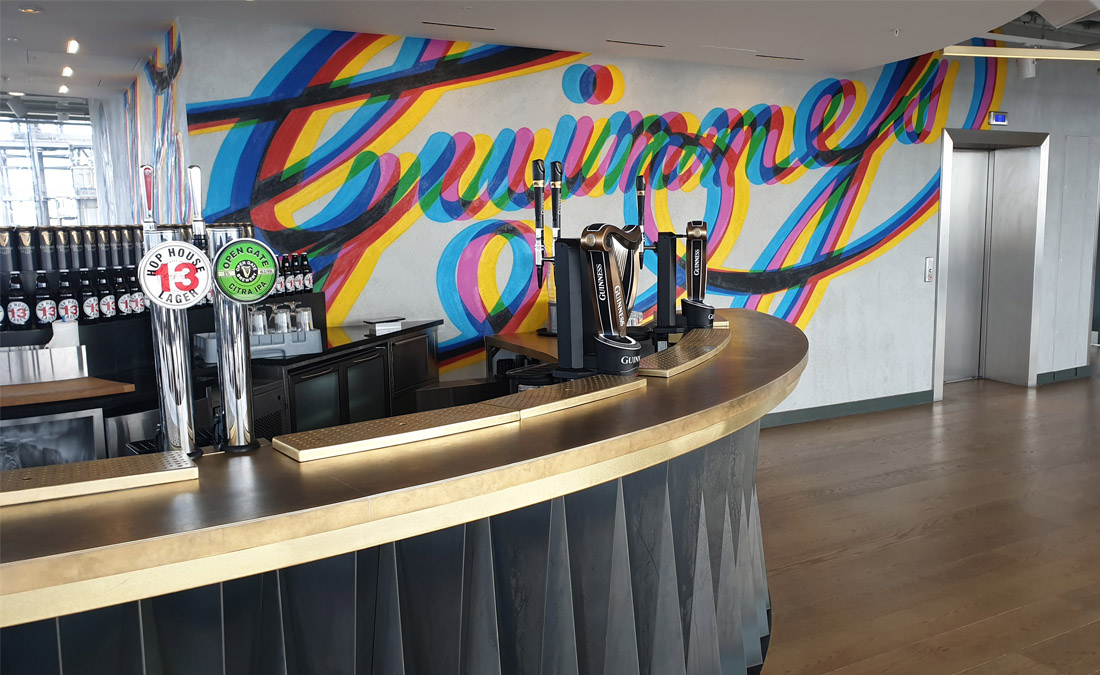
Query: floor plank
x=1074, y=653
x=960, y=536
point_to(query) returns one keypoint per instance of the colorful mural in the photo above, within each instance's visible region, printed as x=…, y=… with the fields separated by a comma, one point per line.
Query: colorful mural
x=162, y=72
x=272, y=164
x=592, y=84
x=133, y=142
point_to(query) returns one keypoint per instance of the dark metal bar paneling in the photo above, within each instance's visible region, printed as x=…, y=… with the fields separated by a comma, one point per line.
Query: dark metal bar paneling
x=30, y=648
x=186, y=631
x=520, y=541
x=101, y=642
x=430, y=587
x=319, y=616
x=658, y=573
x=242, y=621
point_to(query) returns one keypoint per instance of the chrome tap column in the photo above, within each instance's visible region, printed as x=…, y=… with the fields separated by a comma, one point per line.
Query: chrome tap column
x=234, y=354
x=172, y=358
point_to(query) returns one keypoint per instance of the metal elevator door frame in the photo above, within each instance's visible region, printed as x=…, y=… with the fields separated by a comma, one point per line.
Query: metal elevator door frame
x=1014, y=240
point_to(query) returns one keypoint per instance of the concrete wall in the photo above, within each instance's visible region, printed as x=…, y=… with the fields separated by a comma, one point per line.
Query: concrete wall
x=1063, y=100
x=826, y=227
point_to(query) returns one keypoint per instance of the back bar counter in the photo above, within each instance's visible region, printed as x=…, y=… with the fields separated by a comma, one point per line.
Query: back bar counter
x=618, y=536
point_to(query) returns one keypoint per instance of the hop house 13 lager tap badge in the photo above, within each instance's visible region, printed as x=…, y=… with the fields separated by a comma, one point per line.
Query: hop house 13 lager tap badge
x=175, y=275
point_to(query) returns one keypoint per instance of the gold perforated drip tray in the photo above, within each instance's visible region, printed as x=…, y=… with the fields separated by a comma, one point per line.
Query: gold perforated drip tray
x=39, y=483
x=306, y=446
x=542, y=400
x=694, y=348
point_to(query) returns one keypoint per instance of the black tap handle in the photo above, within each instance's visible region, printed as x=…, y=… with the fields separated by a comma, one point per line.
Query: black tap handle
x=538, y=180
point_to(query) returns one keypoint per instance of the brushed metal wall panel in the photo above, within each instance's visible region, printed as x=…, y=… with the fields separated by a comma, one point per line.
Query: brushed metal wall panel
x=1011, y=294
x=966, y=276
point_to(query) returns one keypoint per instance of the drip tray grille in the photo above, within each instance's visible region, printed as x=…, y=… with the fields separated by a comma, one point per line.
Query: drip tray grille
x=696, y=347
x=40, y=483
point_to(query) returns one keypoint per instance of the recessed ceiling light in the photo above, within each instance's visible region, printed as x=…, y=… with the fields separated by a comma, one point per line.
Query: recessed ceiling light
x=16, y=93
x=73, y=47
x=637, y=44
x=30, y=9
x=455, y=25
x=63, y=89
x=66, y=72
x=12, y=39
x=732, y=49
x=781, y=58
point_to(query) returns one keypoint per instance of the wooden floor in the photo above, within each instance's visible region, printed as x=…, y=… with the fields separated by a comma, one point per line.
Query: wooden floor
x=957, y=537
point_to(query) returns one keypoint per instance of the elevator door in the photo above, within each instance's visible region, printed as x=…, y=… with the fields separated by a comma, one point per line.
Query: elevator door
x=966, y=262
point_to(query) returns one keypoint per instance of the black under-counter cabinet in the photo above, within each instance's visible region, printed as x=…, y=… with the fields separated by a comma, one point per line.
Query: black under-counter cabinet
x=358, y=377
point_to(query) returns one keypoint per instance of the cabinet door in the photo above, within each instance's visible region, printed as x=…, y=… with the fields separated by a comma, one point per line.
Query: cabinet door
x=366, y=386
x=315, y=398
x=410, y=362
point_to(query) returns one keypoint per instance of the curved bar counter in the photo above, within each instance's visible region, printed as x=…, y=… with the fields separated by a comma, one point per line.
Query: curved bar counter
x=617, y=536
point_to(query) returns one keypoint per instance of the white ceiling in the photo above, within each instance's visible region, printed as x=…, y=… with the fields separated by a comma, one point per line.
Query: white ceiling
x=832, y=36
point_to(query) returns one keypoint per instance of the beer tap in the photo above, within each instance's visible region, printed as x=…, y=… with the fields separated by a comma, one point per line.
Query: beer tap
x=538, y=179
x=198, y=225
x=614, y=262
x=697, y=314
x=147, y=220
x=555, y=200
x=543, y=253
x=639, y=188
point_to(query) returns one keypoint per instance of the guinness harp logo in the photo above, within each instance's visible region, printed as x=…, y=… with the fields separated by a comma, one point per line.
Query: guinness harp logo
x=25, y=238
x=601, y=285
x=5, y=238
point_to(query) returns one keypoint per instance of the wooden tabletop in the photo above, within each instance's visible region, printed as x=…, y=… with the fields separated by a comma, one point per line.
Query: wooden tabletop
x=532, y=345
x=259, y=511
x=60, y=390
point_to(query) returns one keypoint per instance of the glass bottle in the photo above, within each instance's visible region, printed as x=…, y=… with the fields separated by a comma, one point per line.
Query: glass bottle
x=89, y=298
x=108, y=301
x=17, y=309
x=137, y=296
x=45, y=306
x=122, y=293
x=68, y=308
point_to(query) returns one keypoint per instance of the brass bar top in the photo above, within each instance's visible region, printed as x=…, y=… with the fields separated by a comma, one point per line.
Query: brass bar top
x=260, y=511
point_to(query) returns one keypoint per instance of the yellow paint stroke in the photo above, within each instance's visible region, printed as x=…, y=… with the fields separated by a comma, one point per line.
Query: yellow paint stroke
x=473, y=359
x=487, y=272
x=372, y=50
x=819, y=290
x=308, y=139
x=785, y=144
x=358, y=276
x=618, y=86
x=741, y=195
x=804, y=237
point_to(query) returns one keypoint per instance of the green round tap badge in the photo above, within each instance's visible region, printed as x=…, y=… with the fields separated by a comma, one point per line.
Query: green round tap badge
x=245, y=270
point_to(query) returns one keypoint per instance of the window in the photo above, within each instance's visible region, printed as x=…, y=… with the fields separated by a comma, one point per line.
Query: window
x=47, y=174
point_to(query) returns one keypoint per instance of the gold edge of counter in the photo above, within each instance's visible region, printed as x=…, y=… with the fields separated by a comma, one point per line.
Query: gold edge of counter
x=24, y=606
